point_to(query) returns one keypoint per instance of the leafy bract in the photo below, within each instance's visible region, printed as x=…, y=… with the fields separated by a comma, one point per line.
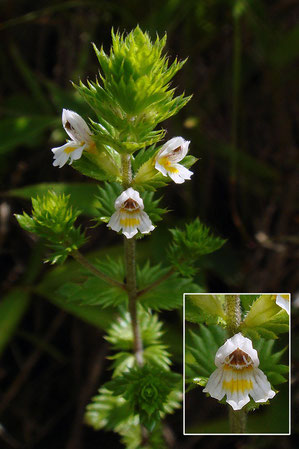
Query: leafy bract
x=146, y=389
x=103, y=164
x=191, y=243
x=265, y=318
x=132, y=94
x=53, y=220
x=203, y=308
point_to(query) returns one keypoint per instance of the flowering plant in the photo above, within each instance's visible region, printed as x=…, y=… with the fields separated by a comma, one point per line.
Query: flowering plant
x=122, y=148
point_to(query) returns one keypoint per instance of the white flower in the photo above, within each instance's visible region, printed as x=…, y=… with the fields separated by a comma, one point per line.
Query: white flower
x=129, y=215
x=168, y=157
x=283, y=301
x=80, y=134
x=238, y=375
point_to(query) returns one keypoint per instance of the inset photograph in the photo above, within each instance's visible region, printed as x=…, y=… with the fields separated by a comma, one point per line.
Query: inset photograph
x=236, y=363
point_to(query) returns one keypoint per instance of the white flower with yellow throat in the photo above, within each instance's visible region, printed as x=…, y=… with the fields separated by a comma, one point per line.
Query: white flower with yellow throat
x=130, y=216
x=166, y=161
x=237, y=375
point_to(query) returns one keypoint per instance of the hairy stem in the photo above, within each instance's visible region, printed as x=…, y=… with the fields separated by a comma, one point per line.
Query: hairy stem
x=130, y=264
x=237, y=418
x=233, y=313
x=130, y=257
x=85, y=263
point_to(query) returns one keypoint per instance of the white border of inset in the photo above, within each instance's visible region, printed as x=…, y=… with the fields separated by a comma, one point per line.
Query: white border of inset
x=184, y=333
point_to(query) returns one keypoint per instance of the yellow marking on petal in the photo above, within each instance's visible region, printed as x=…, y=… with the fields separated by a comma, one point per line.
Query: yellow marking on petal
x=69, y=150
x=128, y=222
x=287, y=297
x=237, y=385
x=166, y=163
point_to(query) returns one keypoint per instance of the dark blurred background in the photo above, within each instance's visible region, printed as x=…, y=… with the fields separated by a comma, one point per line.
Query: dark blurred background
x=242, y=70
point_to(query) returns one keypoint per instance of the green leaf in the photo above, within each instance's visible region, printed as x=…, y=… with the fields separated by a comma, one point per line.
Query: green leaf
x=82, y=196
x=160, y=288
x=201, y=347
x=151, y=206
x=12, y=309
x=94, y=291
x=269, y=361
x=71, y=272
x=107, y=411
x=265, y=318
x=120, y=335
x=106, y=197
x=247, y=301
x=209, y=304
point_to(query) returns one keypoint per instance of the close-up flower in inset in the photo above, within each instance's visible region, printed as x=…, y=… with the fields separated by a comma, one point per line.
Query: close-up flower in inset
x=80, y=135
x=283, y=301
x=166, y=162
x=129, y=215
x=237, y=375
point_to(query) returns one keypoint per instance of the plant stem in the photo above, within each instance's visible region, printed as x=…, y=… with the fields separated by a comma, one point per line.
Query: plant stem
x=130, y=258
x=233, y=313
x=85, y=263
x=130, y=264
x=237, y=418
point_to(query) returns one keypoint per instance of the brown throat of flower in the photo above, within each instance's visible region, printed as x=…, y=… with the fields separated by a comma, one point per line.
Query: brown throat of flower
x=238, y=359
x=177, y=150
x=130, y=204
x=68, y=126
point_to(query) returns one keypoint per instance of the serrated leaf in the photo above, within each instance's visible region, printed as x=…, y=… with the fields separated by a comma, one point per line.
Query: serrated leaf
x=120, y=335
x=132, y=95
x=201, y=347
x=107, y=411
x=53, y=220
x=94, y=291
x=247, y=301
x=167, y=294
x=191, y=243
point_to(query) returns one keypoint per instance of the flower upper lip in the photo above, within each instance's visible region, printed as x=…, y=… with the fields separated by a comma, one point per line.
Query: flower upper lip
x=80, y=135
